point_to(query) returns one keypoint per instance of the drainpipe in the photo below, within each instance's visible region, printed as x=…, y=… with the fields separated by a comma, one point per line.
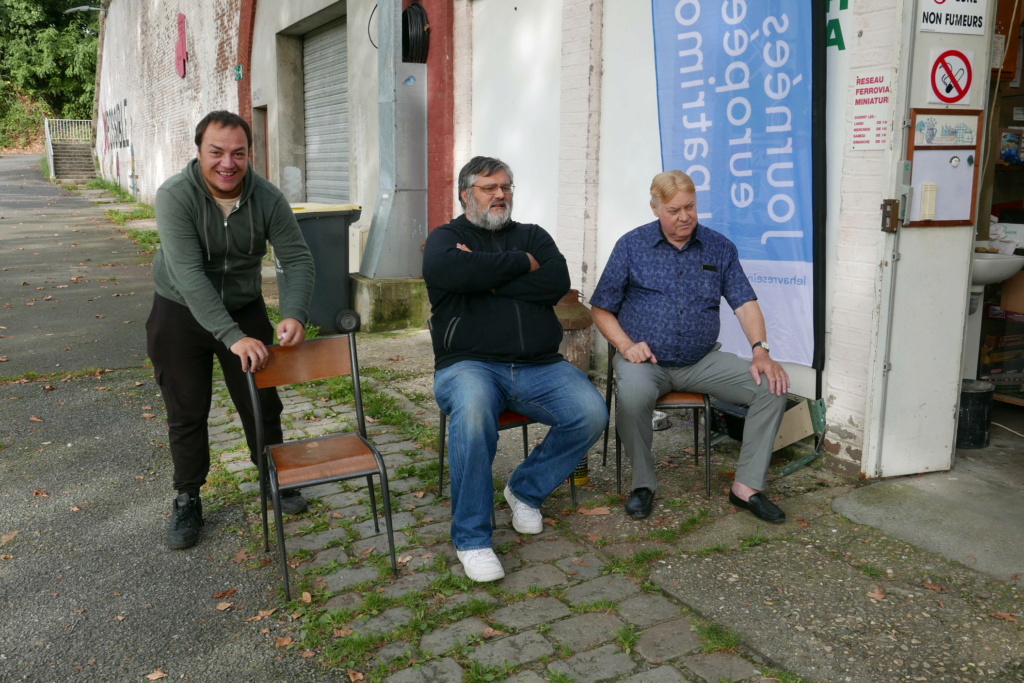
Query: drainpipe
x=399, y=225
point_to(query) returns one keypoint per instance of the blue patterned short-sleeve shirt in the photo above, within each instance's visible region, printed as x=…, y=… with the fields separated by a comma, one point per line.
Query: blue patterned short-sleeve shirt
x=670, y=297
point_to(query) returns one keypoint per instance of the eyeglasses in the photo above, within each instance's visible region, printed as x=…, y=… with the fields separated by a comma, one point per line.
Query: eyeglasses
x=493, y=189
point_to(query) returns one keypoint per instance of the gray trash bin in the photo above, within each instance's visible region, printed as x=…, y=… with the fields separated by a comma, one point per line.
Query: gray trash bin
x=974, y=420
x=325, y=229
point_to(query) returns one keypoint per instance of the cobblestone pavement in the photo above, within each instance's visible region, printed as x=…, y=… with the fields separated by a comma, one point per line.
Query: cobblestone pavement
x=697, y=592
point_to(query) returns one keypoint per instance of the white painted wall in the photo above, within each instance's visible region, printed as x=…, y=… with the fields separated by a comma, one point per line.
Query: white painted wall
x=515, y=92
x=158, y=109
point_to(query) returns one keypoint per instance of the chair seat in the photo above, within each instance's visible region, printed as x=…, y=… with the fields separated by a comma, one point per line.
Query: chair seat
x=511, y=419
x=680, y=399
x=329, y=457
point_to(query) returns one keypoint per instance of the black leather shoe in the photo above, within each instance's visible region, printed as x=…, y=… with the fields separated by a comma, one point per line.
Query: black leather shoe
x=760, y=506
x=640, y=503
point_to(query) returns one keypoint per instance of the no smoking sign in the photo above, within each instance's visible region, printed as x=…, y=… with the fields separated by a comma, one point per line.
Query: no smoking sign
x=951, y=77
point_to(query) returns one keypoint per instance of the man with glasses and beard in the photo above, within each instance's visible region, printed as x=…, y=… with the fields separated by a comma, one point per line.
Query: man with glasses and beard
x=493, y=284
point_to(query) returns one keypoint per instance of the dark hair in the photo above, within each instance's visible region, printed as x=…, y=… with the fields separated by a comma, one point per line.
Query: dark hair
x=223, y=118
x=478, y=166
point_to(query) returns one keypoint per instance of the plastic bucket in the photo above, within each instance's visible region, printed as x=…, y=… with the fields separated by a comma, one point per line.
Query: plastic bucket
x=974, y=420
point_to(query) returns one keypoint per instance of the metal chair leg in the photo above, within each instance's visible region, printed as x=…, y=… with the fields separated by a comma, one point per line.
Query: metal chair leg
x=618, y=462
x=281, y=548
x=387, y=518
x=373, y=503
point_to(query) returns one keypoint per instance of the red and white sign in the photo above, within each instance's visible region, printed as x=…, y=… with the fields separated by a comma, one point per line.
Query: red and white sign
x=951, y=77
x=872, y=109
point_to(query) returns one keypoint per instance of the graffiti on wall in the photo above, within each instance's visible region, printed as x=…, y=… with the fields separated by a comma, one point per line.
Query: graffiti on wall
x=115, y=126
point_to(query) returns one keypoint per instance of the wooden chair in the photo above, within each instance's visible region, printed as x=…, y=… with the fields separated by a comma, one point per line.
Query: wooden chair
x=332, y=457
x=674, y=400
x=507, y=420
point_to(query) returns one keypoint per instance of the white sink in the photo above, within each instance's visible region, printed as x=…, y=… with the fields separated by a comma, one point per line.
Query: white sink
x=992, y=268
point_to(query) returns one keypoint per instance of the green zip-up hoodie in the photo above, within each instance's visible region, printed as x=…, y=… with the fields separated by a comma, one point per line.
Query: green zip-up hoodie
x=213, y=265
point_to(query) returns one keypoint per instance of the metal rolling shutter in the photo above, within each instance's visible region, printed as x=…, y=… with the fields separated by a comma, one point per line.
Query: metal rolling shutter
x=325, y=86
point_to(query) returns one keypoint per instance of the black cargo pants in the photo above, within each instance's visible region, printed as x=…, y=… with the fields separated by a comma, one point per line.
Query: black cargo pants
x=182, y=352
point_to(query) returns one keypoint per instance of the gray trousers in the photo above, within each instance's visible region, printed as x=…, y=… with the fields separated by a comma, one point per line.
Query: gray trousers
x=722, y=375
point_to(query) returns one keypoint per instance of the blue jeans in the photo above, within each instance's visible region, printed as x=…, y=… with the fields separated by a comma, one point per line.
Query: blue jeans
x=473, y=394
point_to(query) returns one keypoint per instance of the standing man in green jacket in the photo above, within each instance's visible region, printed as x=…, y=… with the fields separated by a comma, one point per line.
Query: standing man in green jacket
x=215, y=219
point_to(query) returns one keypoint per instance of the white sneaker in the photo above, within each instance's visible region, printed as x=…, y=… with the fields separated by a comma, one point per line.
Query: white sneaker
x=481, y=565
x=525, y=519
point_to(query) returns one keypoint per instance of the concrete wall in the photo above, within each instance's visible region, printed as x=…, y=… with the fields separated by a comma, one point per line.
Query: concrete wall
x=276, y=78
x=147, y=113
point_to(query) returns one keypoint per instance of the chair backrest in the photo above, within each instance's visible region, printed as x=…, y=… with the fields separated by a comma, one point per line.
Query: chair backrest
x=320, y=358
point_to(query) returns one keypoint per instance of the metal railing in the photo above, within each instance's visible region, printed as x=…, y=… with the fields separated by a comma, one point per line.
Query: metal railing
x=65, y=130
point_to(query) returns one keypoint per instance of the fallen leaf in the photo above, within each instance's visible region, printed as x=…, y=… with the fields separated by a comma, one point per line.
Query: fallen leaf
x=549, y=521
x=395, y=358
x=370, y=419
x=120, y=617
x=590, y=512
x=491, y=632
x=427, y=556
x=337, y=515
x=156, y=675
x=803, y=522
x=933, y=587
x=48, y=387
x=285, y=641
x=148, y=416
x=6, y=557
x=368, y=550
x=3, y=359
x=877, y=594
x=354, y=675
x=240, y=557
x=101, y=316
x=223, y=606
x=342, y=632
x=40, y=494
x=306, y=597
x=593, y=538
x=74, y=508
x=225, y=593
x=306, y=654
x=419, y=494
x=35, y=418
x=1006, y=616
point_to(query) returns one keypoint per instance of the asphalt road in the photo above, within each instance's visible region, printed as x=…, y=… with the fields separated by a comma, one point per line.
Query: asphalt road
x=88, y=592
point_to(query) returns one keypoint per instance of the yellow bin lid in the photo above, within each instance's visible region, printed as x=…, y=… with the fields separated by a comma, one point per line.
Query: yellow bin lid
x=317, y=207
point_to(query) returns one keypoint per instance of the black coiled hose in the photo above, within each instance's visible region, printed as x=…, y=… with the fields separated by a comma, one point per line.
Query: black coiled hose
x=415, y=34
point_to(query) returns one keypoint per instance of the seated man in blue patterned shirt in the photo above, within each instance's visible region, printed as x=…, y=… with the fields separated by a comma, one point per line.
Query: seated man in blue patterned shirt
x=658, y=304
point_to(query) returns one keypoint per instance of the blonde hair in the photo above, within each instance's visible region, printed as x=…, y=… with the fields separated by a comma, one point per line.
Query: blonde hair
x=668, y=184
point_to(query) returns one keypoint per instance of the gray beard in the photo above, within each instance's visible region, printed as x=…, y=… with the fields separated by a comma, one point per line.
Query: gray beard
x=489, y=221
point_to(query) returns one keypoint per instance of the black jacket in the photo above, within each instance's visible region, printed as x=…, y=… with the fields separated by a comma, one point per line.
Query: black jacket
x=485, y=303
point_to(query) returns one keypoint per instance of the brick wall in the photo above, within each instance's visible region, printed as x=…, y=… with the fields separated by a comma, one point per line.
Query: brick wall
x=859, y=245
x=579, y=139
x=146, y=112
x=440, y=113
x=246, y=24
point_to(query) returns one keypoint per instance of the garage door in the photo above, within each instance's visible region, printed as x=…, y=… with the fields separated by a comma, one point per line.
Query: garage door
x=325, y=86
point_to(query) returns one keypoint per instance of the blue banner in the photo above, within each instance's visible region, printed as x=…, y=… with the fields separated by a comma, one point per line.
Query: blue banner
x=735, y=106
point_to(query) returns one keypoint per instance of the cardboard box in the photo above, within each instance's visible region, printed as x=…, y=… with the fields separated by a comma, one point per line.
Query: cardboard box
x=1013, y=294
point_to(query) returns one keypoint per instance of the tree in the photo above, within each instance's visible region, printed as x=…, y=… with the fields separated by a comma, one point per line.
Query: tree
x=50, y=55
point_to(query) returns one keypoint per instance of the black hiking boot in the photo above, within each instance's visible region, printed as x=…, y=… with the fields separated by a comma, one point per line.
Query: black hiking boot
x=185, y=522
x=292, y=502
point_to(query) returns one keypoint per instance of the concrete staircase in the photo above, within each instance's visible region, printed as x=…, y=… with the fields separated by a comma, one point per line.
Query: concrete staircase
x=73, y=163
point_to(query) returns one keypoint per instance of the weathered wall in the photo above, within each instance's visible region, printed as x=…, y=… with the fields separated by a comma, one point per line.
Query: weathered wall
x=147, y=112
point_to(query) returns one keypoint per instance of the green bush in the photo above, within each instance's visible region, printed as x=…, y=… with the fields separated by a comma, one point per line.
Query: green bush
x=21, y=119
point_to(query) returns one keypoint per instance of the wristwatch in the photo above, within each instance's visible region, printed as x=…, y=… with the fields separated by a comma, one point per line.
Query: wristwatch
x=763, y=345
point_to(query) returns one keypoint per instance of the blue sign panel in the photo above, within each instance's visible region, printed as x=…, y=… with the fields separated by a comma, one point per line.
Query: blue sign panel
x=734, y=104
